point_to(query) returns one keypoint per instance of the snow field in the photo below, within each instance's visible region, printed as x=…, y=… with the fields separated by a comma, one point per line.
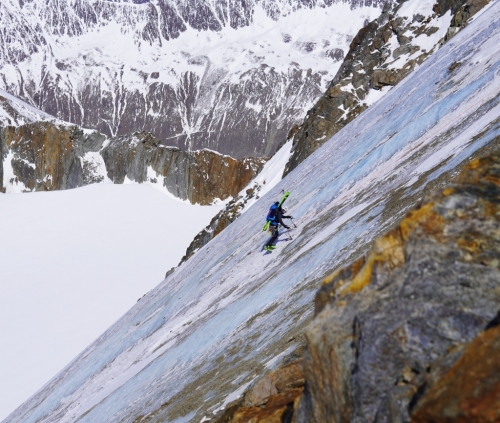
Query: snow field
x=72, y=263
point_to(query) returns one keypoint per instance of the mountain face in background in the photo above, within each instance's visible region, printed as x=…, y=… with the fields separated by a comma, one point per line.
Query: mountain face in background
x=232, y=76
x=193, y=345
x=381, y=55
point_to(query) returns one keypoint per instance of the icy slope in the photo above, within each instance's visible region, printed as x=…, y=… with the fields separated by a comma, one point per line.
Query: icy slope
x=73, y=262
x=268, y=177
x=220, y=71
x=195, y=342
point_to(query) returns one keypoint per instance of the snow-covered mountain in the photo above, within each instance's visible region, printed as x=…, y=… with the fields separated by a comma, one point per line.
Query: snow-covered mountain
x=232, y=76
x=194, y=343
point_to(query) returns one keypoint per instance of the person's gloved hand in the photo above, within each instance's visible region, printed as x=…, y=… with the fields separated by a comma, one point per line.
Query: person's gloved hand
x=288, y=227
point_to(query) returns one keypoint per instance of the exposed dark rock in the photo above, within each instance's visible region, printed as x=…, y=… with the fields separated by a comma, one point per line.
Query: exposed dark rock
x=218, y=223
x=199, y=176
x=365, y=68
x=430, y=285
x=469, y=392
x=272, y=398
x=50, y=157
x=44, y=158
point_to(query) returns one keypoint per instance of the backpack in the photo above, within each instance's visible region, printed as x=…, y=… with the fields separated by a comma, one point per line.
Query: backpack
x=273, y=211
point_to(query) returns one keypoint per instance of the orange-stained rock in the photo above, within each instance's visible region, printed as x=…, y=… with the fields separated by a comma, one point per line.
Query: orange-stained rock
x=42, y=157
x=470, y=391
x=279, y=409
x=198, y=176
x=278, y=381
x=387, y=322
x=272, y=399
x=47, y=157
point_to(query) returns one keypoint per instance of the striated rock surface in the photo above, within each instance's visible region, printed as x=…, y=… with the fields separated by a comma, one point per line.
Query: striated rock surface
x=272, y=399
x=382, y=54
x=219, y=222
x=46, y=157
x=199, y=176
x=470, y=390
x=41, y=157
x=429, y=285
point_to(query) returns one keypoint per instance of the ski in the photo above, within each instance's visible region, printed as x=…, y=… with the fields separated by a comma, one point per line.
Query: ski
x=285, y=196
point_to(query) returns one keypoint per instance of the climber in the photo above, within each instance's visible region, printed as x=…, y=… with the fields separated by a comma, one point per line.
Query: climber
x=275, y=216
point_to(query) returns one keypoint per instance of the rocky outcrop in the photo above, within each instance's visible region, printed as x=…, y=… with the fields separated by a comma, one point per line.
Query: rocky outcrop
x=222, y=220
x=272, y=398
x=382, y=54
x=199, y=176
x=386, y=322
x=42, y=157
x=47, y=157
x=470, y=390
x=218, y=223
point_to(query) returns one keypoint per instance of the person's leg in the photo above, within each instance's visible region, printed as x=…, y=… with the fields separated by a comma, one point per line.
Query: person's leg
x=274, y=237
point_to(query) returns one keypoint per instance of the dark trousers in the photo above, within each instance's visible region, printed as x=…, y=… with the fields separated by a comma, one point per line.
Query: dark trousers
x=274, y=236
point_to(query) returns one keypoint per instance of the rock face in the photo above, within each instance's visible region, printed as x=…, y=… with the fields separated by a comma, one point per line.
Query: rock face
x=386, y=322
x=470, y=390
x=228, y=76
x=271, y=399
x=382, y=54
x=47, y=157
x=199, y=176
x=42, y=157
x=222, y=220
x=219, y=222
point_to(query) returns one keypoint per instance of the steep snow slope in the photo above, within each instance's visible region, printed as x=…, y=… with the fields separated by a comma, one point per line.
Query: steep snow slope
x=219, y=71
x=195, y=342
x=72, y=263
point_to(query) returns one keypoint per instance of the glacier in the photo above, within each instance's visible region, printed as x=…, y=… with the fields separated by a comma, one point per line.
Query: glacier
x=196, y=341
